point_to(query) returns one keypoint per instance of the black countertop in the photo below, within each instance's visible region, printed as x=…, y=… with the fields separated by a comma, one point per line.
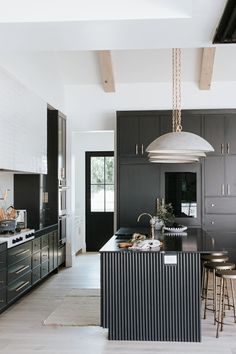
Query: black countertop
x=193, y=240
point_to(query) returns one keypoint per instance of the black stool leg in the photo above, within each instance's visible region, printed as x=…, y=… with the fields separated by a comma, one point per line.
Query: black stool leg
x=219, y=308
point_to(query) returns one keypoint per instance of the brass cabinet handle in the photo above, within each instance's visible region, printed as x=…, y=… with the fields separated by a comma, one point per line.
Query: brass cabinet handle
x=222, y=148
x=228, y=189
x=22, y=286
x=142, y=150
x=227, y=148
x=223, y=189
x=136, y=149
x=22, y=269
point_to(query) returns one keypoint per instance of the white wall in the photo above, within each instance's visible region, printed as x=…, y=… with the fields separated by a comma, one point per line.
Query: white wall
x=90, y=108
x=82, y=142
x=6, y=183
x=38, y=71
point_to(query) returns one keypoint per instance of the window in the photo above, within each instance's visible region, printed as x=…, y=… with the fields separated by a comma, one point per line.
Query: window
x=102, y=183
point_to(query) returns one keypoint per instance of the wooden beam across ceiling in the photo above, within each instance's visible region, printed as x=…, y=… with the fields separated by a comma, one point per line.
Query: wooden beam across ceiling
x=208, y=56
x=105, y=61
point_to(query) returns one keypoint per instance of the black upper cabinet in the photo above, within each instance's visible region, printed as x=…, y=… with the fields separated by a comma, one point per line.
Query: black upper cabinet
x=191, y=122
x=136, y=130
x=139, y=186
x=220, y=132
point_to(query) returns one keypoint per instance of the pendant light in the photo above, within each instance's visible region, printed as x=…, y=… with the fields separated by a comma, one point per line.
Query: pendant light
x=178, y=146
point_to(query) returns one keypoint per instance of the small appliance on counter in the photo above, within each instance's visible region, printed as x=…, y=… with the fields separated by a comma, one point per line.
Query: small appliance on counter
x=21, y=220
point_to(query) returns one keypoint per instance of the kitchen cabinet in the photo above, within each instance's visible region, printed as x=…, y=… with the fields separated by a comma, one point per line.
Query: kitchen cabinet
x=191, y=122
x=220, y=177
x=3, y=275
x=135, y=131
x=139, y=186
x=23, y=133
x=220, y=132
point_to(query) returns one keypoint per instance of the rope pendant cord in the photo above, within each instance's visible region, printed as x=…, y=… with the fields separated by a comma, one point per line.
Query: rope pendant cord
x=176, y=90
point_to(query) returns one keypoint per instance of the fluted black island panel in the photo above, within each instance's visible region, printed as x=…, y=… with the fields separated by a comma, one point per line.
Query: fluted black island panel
x=154, y=295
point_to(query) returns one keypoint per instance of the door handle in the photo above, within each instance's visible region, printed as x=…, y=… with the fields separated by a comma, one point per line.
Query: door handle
x=227, y=148
x=228, y=189
x=136, y=149
x=142, y=150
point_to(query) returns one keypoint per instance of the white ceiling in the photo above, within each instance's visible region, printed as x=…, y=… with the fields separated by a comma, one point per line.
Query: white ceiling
x=66, y=33
x=107, y=24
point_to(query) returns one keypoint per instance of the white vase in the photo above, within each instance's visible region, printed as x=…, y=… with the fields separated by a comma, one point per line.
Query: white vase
x=158, y=223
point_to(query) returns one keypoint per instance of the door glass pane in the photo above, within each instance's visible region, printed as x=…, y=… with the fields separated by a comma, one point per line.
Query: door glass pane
x=97, y=170
x=109, y=169
x=109, y=197
x=97, y=198
x=181, y=192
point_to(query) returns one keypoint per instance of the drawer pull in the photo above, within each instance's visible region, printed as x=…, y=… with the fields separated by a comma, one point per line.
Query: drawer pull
x=228, y=189
x=136, y=149
x=142, y=150
x=2, y=281
x=227, y=148
x=22, y=286
x=2, y=300
x=223, y=189
x=22, y=269
x=212, y=222
x=222, y=148
x=212, y=204
x=20, y=253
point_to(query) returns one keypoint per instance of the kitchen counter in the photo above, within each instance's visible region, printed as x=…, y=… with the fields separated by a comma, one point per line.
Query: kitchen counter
x=193, y=240
x=154, y=295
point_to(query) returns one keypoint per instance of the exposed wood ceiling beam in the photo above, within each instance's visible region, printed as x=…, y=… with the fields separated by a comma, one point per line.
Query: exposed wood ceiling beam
x=208, y=55
x=105, y=61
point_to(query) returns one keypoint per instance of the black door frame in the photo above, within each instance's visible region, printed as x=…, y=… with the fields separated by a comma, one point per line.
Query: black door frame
x=88, y=155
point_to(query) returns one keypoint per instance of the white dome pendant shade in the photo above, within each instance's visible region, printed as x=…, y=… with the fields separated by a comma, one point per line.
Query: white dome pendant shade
x=178, y=146
x=180, y=143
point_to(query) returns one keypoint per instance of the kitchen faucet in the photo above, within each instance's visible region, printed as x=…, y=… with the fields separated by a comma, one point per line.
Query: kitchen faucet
x=152, y=223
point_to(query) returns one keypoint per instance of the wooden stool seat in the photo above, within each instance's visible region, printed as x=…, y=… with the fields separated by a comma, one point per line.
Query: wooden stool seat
x=212, y=258
x=225, y=276
x=220, y=266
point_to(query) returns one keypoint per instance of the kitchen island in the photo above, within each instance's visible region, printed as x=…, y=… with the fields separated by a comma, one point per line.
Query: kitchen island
x=154, y=295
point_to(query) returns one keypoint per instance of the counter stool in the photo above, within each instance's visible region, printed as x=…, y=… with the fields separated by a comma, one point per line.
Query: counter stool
x=225, y=275
x=212, y=267
x=210, y=258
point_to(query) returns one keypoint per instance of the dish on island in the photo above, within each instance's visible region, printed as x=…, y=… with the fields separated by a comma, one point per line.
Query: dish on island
x=146, y=245
x=176, y=229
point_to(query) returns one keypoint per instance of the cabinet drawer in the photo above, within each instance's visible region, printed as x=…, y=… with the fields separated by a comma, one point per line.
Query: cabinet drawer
x=44, y=241
x=220, y=222
x=17, y=270
x=36, y=259
x=44, y=269
x=18, y=287
x=18, y=253
x=3, y=260
x=3, y=297
x=36, y=244
x=220, y=205
x=3, y=278
x=44, y=254
x=36, y=275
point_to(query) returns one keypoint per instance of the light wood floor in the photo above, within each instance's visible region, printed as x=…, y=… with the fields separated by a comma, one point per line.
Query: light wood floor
x=21, y=329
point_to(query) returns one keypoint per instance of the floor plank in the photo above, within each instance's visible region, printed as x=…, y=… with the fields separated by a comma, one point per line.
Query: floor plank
x=22, y=331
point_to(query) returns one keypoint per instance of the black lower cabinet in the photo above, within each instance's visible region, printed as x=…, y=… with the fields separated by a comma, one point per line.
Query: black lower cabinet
x=3, y=276
x=23, y=266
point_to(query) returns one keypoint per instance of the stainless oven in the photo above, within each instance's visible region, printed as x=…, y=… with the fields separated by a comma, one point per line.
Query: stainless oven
x=62, y=197
x=62, y=229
